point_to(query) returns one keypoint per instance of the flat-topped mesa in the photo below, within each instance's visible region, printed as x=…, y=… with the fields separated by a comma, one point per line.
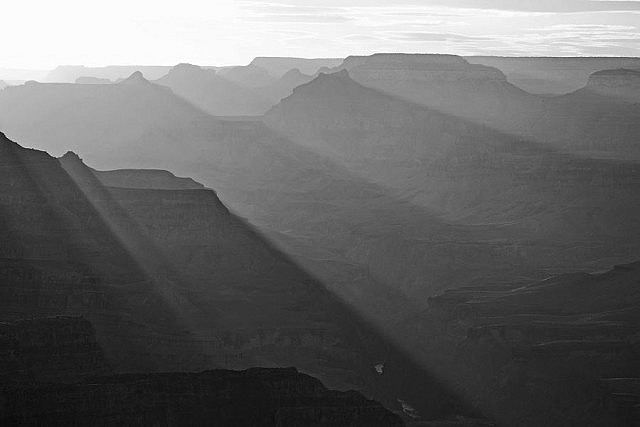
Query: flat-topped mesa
x=620, y=83
x=450, y=66
x=405, y=59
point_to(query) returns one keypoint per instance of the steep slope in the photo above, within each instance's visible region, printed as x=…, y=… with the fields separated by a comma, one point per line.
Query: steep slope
x=268, y=311
x=214, y=93
x=122, y=114
x=525, y=195
x=60, y=257
x=284, y=86
x=446, y=83
x=173, y=281
x=552, y=76
x=600, y=120
x=278, y=66
x=573, y=336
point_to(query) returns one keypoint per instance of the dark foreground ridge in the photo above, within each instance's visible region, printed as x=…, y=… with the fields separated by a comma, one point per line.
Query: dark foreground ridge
x=35, y=349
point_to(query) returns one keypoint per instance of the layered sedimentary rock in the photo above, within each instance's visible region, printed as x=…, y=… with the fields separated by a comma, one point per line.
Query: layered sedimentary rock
x=560, y=351
x=503, y=188
x=263, y=310
x=173, y=281
x=214, y=93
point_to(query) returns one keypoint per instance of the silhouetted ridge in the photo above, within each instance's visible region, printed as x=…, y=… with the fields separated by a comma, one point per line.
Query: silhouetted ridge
x=137, y=78
x=620, y=83
x=54, y=372
x=213, y=92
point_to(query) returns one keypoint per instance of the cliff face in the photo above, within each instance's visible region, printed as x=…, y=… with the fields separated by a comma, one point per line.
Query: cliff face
x=248, y=304
x=573, y=336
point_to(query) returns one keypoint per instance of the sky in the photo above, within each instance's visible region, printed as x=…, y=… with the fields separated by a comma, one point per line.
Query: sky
x=41, y=34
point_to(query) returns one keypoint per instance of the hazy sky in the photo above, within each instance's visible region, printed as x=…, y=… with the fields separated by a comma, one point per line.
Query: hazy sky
x=44, y=33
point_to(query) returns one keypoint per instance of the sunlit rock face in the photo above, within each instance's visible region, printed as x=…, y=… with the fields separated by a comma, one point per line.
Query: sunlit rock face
x=170, y=278
x=446, y=83
x=552, y=76
x=553, y=352
x=600, y=120
x=214, y=93
x=54, y=372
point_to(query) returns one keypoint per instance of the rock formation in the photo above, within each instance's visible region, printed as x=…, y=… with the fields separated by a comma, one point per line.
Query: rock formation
x=280, y=66
x=284, y=86
x=552, y=76
x=87, y=80
x=445, y=83
x=602, y=119
x=214, y=93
